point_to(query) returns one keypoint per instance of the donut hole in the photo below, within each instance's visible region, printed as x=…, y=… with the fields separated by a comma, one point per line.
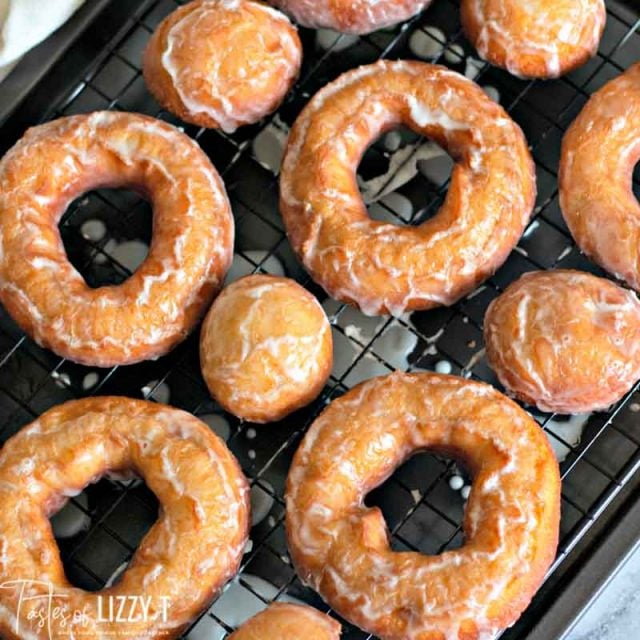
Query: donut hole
x=106, y=235
x=98, y=530
x=423, y=503
x=403, y=177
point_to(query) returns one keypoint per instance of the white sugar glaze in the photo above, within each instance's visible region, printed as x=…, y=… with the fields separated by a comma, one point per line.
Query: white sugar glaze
x=551, y=27
x=195, y=255
x=296, y=359
x=157, y=442
x=332, y=534
x=351, y=16
x=565, y=340
x=599, y=153
x=418, y=269
x=221, y=104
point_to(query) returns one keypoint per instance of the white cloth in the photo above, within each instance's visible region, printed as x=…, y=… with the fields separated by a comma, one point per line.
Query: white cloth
x=26, y=23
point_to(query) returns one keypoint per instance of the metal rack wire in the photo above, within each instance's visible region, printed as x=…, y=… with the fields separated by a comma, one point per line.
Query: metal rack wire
x=423, y=513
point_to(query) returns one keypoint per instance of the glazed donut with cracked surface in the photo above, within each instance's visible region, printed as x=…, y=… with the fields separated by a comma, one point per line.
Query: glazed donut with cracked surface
x=351, y=16
x=222, y=63
x=380, y=267
x=266, y=348
x=536, y=38
x=599, y=153
x=566, y=341
x=193, y=549
x=190, y=253
x=282, y=621
x=340, y=547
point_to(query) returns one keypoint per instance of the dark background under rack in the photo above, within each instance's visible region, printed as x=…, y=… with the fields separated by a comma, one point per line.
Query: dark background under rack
x=102, y=70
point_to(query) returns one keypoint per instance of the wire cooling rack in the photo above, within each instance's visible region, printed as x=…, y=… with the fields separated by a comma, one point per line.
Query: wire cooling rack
x=106, y=234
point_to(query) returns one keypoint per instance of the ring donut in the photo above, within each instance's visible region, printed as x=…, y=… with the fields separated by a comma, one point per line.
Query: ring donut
x=536, y=38
x=599, y=153
x=380, y=267
x=190, y=253
x=222, y=64
x=566, y=341
x=351, y=16
x=281, y=621
x=340, y=547
x=194, y=548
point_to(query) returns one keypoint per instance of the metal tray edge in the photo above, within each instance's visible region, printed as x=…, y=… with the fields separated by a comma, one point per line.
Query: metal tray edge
x=39, y=60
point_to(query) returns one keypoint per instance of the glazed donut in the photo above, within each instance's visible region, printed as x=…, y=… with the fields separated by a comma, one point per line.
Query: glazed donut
x=222, y=63
x=266, y=348
x=599, y=152
x=288, y=622
x=566, y=341
x=191, y=251
x=193, y=549
x=351, y=16
x=536, y=38
x=340, y=547
x=380, y=267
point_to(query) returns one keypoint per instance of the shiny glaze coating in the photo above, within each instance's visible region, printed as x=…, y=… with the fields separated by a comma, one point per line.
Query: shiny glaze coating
x=381, y=267
x=193, y=549
x=351, y=16
x=282, y=621
x=535, y=38
x=191, y=249
x=566, y=341
x=266, y=348
x=340, y=547
x=222, y=63
x=599, y=153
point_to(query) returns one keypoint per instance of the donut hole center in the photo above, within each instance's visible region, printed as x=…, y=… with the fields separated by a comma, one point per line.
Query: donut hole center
x=99, y=530
x=106, y=234
x=423, y=503
x=403, y=177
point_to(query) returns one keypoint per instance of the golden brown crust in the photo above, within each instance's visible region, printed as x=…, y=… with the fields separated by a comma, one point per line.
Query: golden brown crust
x=381, y=267
x=535, y=39
x=340, y=547
x=599, y=152
x=191, y=251
x=194, y=548
x=266, y=348
x=351, y=16
x=222, y=64
x=288, y=622
x=566, y=341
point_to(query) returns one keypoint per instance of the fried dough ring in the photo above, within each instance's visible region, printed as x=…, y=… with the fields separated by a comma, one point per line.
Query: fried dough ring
x=599, y=152
x=190, y=253
x=536, y=38
x=380, y=267
x=222, y=64
x=266, y=348
x=282, y=621
x=194, y=548
x=340, y=547
x=351, y=16
x=566, y=341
